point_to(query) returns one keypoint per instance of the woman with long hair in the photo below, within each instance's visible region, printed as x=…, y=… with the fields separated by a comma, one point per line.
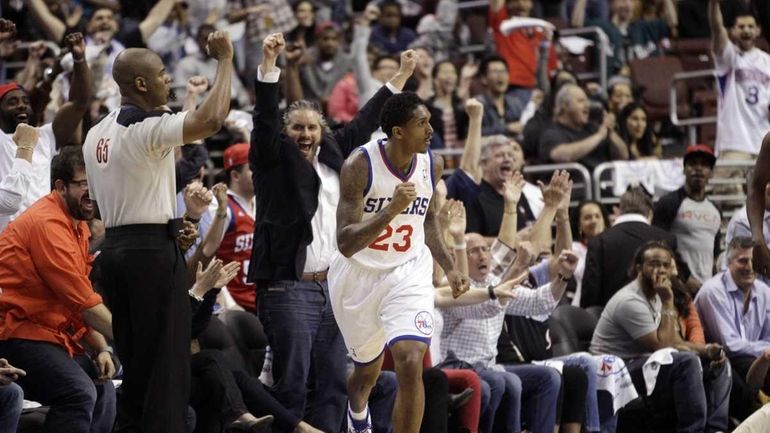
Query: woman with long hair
x=588, y=220
x=634, y=129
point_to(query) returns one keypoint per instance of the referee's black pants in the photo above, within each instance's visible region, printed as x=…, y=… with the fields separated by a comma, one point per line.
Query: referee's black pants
x=144, y=278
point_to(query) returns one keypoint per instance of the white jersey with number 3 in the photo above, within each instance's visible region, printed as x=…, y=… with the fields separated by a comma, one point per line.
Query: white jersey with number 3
x=404, y=238
x=744, y=103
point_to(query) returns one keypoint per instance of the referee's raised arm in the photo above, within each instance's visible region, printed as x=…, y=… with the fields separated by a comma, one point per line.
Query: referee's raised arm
x=208, y=118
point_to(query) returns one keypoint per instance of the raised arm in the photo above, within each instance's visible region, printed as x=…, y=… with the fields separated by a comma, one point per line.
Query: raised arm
x=210, y=115
x=52, y=26
x=579, y=13
x=156, y=17
x=469, y=162
x=15, y=184
x=719, y=36
x=71, y=113
x=755, y=207
x=671, y=17
x=435, y=242
x=553, y=194
x=563, y=230
x=265, y=137
x=353, y=234
x=496, y=5
x=367, y=120
x=293, y=55
x=511, y=195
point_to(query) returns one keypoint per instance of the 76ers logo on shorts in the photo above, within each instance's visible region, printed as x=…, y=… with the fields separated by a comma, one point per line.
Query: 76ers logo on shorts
x=424, y=322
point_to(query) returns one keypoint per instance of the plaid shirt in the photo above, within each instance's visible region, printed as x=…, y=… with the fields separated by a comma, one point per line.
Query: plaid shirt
x=471, y=332
x=280, y=18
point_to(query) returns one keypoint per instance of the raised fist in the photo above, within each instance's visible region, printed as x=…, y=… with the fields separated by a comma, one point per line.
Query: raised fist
x=273, y=45
x=7, y=29
x=25, y=136
x=219, y=46
x=474, y=108
x=197, y=85
x=76, y=44
x=408, y=62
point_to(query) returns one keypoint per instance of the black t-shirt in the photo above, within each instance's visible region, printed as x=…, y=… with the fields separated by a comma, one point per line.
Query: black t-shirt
x=485, y=213
x=557, y=134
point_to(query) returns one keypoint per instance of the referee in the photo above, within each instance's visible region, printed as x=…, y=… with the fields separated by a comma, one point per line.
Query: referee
x=130, y=163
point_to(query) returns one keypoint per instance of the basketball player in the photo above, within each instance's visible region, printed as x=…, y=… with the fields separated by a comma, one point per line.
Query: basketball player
x=380, y=280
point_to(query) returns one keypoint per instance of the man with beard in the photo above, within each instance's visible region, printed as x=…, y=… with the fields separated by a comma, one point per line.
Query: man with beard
x=130, y=160
x=15, y=109
x=50, y=316
x=691, y=217
x=296, y=163
x=639, y=321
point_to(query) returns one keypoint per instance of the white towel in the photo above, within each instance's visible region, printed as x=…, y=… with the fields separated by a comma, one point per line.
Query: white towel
x=651, y=367
x=511, y=24
x=612, y=376
x=558, y=365
x=657, y=176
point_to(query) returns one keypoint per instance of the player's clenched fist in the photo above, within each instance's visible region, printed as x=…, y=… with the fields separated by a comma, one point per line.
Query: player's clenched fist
x=219, y=46
x=273, y=45
x=403, y=196
x=25, y=136
x=459, y=283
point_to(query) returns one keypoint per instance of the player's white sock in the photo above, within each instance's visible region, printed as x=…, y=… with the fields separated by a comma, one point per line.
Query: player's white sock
x=358, y=416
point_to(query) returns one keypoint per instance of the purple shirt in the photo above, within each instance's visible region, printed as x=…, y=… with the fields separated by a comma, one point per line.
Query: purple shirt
x=720, y=307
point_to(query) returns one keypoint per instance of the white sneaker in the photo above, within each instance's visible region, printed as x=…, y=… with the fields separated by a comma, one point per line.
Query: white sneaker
x=355, y=426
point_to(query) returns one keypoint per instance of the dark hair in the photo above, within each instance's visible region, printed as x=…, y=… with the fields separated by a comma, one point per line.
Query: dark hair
x=639, y=256
x=392, y=4
x=64, y=165
x=682, y=298
x=575, y=218
x=397, y=111
x=635, y=200
x=646, y=144
x=301, y=105
x=739, y=11
x=490, y=59
x=205, y=27
x=296, y=5
x=434, y=73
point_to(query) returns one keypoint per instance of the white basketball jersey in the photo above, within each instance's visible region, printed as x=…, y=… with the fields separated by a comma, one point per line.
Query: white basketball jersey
x=744, y=87
x=404, y=237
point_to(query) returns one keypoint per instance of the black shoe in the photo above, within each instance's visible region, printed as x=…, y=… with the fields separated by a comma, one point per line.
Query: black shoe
x=456, y=401
x=261, y=425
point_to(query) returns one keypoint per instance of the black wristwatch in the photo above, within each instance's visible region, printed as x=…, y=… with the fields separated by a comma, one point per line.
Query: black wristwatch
x=491, y=290
x=563, y=278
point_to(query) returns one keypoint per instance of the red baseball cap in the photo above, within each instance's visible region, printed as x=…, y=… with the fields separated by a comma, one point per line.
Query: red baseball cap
x=700, y=149
x=9, y=87
x=237, y=154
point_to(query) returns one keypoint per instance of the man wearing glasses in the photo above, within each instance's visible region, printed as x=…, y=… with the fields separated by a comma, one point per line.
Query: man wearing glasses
x=52, y=323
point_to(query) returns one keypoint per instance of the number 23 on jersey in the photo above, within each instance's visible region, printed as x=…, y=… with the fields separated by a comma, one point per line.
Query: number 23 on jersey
x=386, y=240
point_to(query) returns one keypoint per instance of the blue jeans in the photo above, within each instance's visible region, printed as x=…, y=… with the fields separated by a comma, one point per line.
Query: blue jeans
x=504, y=407
x=78, y=405
x=586, y=363
x=701, y=394
x=381, y=402
x=11, y=401
x=540, y=389
x=306, y=343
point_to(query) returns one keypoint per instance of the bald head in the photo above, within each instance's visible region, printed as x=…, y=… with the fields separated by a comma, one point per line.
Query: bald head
x=142, y=77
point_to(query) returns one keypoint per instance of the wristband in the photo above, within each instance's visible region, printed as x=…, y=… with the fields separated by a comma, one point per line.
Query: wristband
x=191, y=292
x=191, y=219
x=107, y=349
x=222, y=214
x=461, y=246
x=491, y=290
x=78, y=60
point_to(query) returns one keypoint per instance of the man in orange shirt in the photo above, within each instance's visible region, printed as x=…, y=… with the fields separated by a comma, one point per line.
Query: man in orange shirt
x=48, y=307
x=521, y=49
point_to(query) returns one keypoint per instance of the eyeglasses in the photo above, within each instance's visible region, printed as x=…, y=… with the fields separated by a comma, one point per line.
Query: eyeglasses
x=82, y=184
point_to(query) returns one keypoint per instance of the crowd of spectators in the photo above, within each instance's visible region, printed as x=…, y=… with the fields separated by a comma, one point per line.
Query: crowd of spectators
x=683, y=318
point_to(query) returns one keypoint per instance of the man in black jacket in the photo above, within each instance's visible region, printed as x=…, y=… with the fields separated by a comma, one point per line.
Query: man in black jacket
x=296, y=163
x=610, y=255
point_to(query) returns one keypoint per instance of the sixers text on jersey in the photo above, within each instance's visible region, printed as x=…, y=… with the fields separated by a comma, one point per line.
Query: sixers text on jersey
x=375, y=204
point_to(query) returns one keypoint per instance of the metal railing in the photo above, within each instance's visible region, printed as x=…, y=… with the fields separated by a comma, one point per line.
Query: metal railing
x=692, y=122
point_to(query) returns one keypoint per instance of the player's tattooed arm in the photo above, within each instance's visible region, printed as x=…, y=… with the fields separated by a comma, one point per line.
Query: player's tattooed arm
x=353, y=235
x=433, y=237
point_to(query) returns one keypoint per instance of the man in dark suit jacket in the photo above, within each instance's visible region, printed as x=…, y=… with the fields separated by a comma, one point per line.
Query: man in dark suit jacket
x=296, y=163
x=611, y=254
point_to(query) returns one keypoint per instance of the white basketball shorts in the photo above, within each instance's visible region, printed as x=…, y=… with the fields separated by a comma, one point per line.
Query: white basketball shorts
x=374, y=307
